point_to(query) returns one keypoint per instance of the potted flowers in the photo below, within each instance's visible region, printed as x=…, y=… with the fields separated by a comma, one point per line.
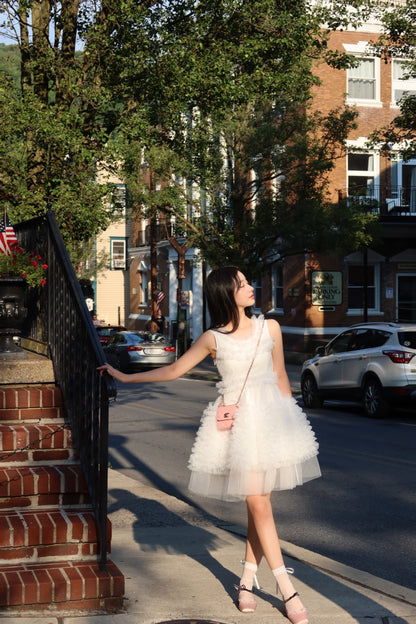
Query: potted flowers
x=19, y=269
x=23, y=264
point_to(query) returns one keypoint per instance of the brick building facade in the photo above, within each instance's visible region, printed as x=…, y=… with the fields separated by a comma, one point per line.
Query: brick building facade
x=321, y=294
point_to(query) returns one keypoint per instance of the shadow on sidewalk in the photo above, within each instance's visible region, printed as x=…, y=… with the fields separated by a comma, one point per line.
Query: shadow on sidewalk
x=196, y=541
x=197, y=545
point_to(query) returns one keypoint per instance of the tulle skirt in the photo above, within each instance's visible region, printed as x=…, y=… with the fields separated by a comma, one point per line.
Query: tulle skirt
x=270, y=447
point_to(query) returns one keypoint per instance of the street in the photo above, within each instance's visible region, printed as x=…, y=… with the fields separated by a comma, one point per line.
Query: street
x=361, y=512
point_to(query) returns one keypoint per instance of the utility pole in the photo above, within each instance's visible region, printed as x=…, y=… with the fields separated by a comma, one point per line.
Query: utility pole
x=153, y=257
x=365, y=284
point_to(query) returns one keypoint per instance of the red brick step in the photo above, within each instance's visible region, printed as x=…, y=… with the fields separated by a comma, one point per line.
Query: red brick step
x=39, y=486
x=61, y=585
x=34, y=534
x=48, y=536
x=30, y=402
x=50, y=442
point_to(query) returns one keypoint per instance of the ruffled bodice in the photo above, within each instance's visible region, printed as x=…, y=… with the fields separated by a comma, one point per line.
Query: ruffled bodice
x=234, y=356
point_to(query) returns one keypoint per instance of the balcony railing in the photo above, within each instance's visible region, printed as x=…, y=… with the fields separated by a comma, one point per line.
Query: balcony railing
x=395, y=200
x=58, y=318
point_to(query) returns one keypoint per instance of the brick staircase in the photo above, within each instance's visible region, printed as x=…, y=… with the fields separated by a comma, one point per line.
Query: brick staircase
x=48, y=538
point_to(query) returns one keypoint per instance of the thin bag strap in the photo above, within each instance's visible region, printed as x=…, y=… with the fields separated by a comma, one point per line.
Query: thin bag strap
x=252, y=362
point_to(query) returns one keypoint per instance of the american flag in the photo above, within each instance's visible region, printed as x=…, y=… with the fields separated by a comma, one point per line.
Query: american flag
x=8, y=240
x=160, y=298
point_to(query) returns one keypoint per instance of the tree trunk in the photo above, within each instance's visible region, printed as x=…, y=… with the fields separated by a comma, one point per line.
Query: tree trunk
x=24, y=49
x=181, y=315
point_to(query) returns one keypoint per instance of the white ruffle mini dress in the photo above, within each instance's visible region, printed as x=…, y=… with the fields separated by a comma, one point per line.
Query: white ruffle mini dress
x=271, y=445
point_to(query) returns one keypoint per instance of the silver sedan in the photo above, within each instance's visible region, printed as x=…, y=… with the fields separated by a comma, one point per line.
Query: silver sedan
x=128, y=350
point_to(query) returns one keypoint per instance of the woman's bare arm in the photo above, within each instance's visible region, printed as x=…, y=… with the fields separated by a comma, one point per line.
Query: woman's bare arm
x=205, y=345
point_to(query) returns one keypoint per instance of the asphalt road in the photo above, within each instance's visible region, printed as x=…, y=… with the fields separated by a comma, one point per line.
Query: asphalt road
x=362, y=512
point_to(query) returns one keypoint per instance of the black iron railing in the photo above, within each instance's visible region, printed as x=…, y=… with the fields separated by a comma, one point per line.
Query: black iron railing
x=393, y=199
x=58, y=317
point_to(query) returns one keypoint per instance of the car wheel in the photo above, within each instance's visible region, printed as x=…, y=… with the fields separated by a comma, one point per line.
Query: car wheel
x=310, y=394
x=375, y=405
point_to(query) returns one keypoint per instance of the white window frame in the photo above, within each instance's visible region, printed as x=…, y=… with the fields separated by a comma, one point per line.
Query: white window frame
x=257, y=287
x=376, y=309
x=144, y=285
x=396, y=199
x=402, y=84
x=120, y=192
x=366, y=175
x=274, y=286
x=118, y=259
x=359, y=146
x=360, y=50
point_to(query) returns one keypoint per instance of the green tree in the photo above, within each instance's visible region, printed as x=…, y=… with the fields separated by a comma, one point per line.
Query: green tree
x=228, y=128
x=209, y=92
x=58, y=116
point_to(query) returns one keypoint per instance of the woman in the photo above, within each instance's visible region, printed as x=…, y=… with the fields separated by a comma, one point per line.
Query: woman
x=271, y=444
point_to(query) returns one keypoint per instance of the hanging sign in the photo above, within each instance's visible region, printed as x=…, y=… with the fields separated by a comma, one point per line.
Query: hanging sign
x=326, y=288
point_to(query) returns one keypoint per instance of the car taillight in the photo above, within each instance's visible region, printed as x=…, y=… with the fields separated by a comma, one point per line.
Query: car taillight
x=134, y=348
x=170, y=349
x=399, y=357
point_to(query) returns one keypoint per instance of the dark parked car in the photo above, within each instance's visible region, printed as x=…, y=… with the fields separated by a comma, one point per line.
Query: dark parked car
x=105, y=331
x=130, y=351
x=372, y=362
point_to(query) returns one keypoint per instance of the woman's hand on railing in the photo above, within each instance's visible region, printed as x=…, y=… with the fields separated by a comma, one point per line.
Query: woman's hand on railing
x=113, y=372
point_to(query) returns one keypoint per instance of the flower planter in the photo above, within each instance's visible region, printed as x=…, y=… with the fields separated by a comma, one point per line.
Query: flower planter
x=12, y=315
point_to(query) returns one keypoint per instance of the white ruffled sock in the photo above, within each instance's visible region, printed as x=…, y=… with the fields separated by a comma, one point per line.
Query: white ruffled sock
x=249, y=575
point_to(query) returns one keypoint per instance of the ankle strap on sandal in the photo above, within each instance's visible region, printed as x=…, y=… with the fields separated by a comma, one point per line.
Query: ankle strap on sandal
x=292, y=596
x=243, y=588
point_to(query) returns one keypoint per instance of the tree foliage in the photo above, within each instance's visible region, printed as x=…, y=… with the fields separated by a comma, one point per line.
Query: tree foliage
x=213, y=97
x=55, y=129
x=229, y=131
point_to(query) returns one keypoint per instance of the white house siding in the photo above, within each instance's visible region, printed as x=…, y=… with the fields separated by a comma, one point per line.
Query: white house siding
x=192, y=282
x=112, y=284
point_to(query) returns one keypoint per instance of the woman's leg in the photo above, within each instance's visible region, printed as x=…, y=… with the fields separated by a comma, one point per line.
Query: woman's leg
x=254, y=551
x=263, y=538
x=253, y=556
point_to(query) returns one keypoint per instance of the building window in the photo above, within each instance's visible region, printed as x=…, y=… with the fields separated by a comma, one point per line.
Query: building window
x=362, y=80
x=402, y=195
x=119, y=199
x=277, y=288
x=356, y=288
x=401, y=82
x=117, y=253
x=257, y=294
x=144, y=284
x=361, y=175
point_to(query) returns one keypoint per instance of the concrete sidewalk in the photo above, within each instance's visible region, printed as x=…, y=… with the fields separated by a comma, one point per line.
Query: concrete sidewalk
x=181, y=565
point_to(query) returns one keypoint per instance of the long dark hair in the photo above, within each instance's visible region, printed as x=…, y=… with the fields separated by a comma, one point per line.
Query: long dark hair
x=220, y=287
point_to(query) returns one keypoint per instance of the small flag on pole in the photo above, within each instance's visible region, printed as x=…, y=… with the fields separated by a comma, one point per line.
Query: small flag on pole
x=160, y=298
x=8, y=240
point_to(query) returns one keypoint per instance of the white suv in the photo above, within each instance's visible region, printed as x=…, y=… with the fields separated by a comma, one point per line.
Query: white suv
x=372, y=362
